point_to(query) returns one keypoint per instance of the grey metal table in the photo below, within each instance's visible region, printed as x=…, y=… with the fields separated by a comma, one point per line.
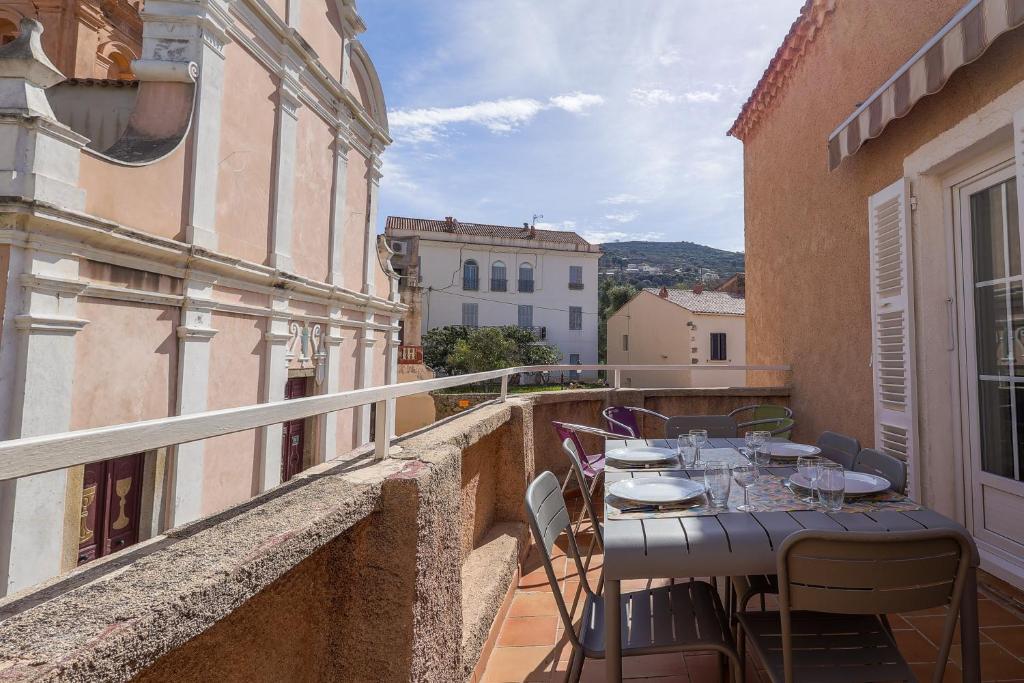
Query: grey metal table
x=738, y=544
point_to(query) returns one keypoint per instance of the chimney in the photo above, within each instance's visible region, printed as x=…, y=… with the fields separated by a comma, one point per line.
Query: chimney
x=663, y=293
x=698, y=288
x=449, y=221
x=533, y=230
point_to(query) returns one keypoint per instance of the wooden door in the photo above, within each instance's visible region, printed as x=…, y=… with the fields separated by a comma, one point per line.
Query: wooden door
x=293, y=433
x=111, y=502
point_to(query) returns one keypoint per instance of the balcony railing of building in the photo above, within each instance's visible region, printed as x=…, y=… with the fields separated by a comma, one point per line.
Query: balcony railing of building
x=575, y=285
x=470, y=283
x=410, y=355
x=499, y=284
x=40, y=454
x=525, y=286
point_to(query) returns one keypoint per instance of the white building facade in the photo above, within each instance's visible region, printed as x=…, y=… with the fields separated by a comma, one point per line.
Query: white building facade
x=491, y=276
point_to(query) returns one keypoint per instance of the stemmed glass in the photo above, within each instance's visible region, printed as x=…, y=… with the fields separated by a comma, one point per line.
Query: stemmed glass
x=809, y=466
x=698, y=437
x=762, y=455
x=745, y=476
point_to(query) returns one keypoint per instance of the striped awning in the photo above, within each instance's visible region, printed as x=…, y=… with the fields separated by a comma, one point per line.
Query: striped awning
x=962, y=40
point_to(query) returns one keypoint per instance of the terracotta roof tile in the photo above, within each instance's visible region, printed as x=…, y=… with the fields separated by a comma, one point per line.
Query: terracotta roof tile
x=705, y=302
x=566, y=237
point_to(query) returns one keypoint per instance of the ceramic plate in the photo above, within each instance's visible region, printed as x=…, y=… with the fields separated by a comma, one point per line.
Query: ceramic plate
x=657, y=490
x=857, y=483
x=641, y=455
x=783, y=449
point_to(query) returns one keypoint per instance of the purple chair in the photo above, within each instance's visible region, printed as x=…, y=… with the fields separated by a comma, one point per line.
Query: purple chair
x=591, y=464
x=623, y=421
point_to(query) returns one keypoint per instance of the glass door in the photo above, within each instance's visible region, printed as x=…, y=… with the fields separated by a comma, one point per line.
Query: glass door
x=993, y=300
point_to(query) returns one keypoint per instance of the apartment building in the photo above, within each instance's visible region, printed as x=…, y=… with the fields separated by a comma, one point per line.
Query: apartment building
x=493, y=275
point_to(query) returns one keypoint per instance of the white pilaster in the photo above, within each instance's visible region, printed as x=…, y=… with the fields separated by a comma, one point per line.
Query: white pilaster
x=195, y=30
x=338, y=200
x=333, y=340
x=365, y=379
x=391, y=372
x=288, y=104
x=275, y=374
x=43, y=325
x=187, y=464
x=370, y=239
x=293, y=9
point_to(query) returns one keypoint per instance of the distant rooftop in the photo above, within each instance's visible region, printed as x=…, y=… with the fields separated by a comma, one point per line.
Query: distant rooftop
x=705, y=302
x=525, y=232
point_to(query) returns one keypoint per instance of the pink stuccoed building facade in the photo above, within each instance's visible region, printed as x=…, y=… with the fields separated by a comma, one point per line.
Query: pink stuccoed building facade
x=188, y=200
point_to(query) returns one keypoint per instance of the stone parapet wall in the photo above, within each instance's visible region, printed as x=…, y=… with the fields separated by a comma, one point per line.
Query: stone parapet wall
x=446, y=405
x=353, y=571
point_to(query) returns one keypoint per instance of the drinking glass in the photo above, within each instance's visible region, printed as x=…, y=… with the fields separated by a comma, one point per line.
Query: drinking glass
x=750, y=443
x=698, y=437
x=831, y=486
x=762, y=457
x=718, y=480
x=745, y=476
x=686, y=453
x=808, y=467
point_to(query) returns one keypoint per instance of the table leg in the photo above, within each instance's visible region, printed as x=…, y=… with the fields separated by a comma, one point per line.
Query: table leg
x=612, y=632
x=969, y=628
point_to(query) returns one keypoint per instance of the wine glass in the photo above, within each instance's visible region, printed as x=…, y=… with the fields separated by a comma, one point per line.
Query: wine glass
x=698, y=437
x=831, y=485
x=762, y=455
x=808, y=466
x=718, y=480
x=750, y=446
x=745, y=476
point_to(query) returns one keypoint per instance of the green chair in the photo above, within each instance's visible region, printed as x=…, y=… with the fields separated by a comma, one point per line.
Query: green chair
x=768, y=417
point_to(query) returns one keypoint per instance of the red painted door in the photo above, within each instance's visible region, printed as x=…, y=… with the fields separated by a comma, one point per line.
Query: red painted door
x=293, y=433
x=111, y=501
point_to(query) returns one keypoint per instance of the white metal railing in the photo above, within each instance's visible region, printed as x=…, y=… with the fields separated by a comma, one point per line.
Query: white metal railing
x=38, y=454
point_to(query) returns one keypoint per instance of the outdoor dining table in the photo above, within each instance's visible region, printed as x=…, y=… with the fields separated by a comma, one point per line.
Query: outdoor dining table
x=733, y=543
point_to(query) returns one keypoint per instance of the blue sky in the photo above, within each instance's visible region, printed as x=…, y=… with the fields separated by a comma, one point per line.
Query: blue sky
x=607, y=118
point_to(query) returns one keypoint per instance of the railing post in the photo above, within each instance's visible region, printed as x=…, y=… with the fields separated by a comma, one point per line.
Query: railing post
x=504, y=388
x=616, y=378
x=381, y=433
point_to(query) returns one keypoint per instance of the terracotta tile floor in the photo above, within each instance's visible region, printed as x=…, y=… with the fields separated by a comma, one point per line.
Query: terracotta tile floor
x=531, y=645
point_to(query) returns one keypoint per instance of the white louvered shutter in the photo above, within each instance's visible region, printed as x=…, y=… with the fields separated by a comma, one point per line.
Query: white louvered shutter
x=892, y=322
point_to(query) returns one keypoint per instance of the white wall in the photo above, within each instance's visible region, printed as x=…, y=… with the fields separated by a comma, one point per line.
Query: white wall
x=441, y=272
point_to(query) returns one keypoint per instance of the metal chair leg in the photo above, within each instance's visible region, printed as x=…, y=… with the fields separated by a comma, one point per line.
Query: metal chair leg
x=575, y=666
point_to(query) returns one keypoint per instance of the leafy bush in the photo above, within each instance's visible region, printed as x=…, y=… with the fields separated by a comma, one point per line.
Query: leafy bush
x=457, y=350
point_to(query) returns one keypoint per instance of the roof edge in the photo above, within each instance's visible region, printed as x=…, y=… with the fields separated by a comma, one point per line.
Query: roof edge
x=801, y=34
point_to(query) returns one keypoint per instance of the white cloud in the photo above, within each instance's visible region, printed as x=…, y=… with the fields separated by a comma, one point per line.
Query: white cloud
x=576, y=102
x=624, y=198
x=653, y=96
x=701, y=96
x=669, y=58
x=563, y=225
x=626, y=217
x=497, y=116
x=602, y=236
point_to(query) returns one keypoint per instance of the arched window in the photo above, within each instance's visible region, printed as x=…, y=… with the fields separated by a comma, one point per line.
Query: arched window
x=525, y=277
x=8, y=31
x=499, y=278
x=470, y=275
x=120, y=67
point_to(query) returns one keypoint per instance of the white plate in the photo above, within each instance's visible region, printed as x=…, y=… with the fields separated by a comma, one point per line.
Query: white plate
x=785, y=449
x=641, y=455
x=857, y=483
x=657, y=490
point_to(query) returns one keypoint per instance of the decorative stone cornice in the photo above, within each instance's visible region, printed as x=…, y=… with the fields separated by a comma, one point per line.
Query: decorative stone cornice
x=52, y=285
x=193, y=333
x=49, y=324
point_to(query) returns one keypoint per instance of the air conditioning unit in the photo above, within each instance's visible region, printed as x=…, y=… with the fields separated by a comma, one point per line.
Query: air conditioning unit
x=398, y=247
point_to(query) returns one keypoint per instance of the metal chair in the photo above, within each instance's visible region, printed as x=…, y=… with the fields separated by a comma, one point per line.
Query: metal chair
x=834, y=590
x=591, y=465
x=569, y=446
x=682, y=617
x=883, y=465
x=718, y=426
x=766, y=416
x=623, y=420
x=839, y=448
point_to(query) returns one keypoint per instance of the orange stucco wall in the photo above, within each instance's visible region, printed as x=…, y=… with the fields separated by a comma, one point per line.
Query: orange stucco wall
x=314, y=171
x=236, y=358
x=148, y=198
x=125, y=363
x=353, y=241
x=321, y=27
x=246, y=153
x=808, y=298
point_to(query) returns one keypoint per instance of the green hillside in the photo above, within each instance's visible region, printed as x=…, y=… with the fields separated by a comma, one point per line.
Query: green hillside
x=680, y=262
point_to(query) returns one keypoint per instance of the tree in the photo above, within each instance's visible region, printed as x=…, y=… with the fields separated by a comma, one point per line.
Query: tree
x=438, y=344
x=611, y=297
x=482, y=350
x=455, y=350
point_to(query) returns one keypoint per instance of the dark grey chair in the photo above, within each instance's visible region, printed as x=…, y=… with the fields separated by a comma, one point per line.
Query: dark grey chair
x=682, y=617
x=883, y=465
x=839, y=448
x=718, y=426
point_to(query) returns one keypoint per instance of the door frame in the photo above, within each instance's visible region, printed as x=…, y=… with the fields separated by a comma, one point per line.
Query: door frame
x=986, y=170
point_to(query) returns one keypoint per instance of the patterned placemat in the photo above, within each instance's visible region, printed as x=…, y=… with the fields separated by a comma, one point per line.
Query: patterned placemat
x=770, y=494
x=730, y=456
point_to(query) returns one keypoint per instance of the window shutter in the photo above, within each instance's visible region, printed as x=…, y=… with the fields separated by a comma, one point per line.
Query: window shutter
x=892, y=324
